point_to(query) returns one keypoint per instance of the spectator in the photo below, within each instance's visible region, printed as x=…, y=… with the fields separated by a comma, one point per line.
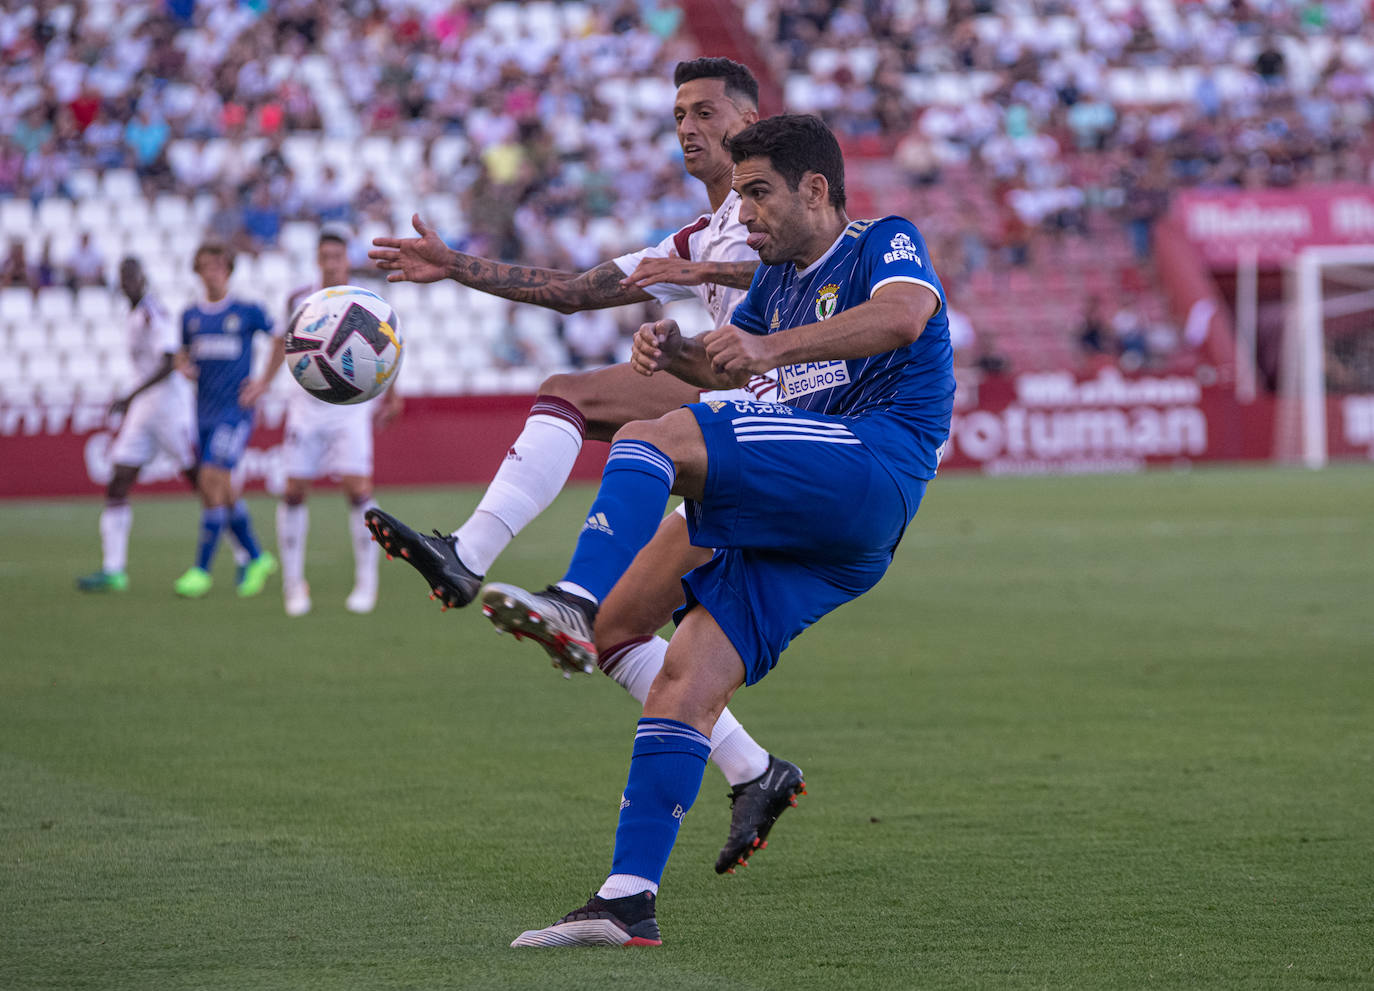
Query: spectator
x=1094, y=336
x=85, y=266
x=261, y=219
x=16, y=270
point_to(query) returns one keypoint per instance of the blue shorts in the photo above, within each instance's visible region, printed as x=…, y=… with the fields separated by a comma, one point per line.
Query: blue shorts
x=803, y=517
x=223, y=441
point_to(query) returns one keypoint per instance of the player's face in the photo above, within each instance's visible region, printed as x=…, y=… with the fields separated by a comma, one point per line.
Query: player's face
x=333, y=261
x=705, y=118
x=131, y=281
x=214, y=275
x=777, y=220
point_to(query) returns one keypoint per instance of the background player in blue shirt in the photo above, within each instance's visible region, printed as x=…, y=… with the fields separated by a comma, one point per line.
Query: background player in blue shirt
x=805, y=501
x=217, y=338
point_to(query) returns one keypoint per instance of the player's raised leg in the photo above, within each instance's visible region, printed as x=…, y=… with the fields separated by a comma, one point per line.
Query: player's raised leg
x=569, y=409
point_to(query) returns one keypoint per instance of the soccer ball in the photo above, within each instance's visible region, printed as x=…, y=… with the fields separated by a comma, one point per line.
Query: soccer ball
x=344, y=344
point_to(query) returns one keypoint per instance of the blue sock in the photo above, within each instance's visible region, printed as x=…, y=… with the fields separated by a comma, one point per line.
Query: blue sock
x=665, y=776
x=634, y=493
x=242, y=525
x=211, y=524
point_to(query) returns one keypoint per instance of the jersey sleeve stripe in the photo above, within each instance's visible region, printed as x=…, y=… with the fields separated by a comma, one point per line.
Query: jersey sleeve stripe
x=682, y=239
x=906, y=278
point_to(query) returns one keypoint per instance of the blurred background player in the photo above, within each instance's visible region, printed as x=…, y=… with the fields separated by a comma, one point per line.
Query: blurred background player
x=325, y=438
x=217, y=340
x=159, y=415
x=709, y=260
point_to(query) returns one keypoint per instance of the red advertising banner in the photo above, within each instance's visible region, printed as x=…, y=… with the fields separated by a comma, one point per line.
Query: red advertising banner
x=62, y=450
x=1273, y=223
x=1054, y=422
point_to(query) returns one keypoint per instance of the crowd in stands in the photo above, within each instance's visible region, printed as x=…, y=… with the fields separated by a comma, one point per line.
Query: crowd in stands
x=1020, y=125
x=541, y=121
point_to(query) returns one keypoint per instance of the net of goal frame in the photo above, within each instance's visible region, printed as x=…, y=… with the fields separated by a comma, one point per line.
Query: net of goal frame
x=1327, y=349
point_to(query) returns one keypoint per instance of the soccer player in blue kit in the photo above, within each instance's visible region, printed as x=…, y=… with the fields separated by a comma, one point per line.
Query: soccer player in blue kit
x=804, y=501
x=217, y=341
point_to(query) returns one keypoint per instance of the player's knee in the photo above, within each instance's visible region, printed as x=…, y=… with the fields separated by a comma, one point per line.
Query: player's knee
x=121, y=482
x=565, y=386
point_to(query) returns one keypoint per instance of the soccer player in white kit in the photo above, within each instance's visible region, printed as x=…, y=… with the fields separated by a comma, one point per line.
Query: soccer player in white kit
x=708, y=259
x=325, y=439
x=159, y=415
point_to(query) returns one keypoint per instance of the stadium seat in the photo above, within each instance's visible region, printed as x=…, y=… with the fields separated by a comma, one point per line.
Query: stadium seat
x=16, y=217
x=119, y=184
x=54, y=211
x=53, y=304
x=94, y=303
x=16, y=304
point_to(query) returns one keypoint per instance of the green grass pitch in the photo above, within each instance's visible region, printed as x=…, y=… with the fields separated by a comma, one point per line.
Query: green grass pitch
x=1100, y=732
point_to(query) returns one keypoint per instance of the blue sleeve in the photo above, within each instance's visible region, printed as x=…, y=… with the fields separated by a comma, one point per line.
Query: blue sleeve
x=185, y=329
x=894, y=250
x=746, y=315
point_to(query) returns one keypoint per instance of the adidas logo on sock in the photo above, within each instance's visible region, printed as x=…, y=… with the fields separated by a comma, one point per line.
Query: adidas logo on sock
x=598, y=521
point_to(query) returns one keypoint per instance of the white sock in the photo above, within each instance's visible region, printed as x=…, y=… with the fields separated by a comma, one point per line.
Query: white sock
x=364, y=547
x=634, y=667
x=293, y=524
x=526, y=484
x=116, y=520
x=620, y=885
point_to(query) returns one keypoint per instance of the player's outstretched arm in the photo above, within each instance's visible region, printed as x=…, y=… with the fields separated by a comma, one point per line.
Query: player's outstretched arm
x=427, y=259
x=255, y=389
x=681, y=272
x=164, y=369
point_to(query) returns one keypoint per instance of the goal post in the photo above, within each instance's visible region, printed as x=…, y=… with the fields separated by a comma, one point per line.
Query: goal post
x=1328, y=344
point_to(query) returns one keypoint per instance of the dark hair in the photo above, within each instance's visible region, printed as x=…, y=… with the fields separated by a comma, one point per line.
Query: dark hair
x=218, y=248
x=795, y=144
x=739, y=81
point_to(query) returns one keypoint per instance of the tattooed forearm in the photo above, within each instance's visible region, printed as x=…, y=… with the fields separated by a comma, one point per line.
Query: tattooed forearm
x=736, y=275
x=566, y=292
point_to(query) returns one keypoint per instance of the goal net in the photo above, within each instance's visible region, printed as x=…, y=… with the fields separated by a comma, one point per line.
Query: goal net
x=1327, y=350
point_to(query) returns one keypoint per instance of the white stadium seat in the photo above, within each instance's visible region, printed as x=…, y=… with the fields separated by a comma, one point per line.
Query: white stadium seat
x=16, y=304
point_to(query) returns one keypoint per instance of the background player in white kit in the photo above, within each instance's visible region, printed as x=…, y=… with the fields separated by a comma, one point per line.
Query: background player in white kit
x=324, y=439
x=159, y=415
x=708, y=259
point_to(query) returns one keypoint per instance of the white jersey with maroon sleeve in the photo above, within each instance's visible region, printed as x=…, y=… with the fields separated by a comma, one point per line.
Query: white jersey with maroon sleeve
x=324, y=438
x=712, y=237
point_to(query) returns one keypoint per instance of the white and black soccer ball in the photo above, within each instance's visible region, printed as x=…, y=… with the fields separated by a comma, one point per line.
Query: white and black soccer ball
x=343, y=345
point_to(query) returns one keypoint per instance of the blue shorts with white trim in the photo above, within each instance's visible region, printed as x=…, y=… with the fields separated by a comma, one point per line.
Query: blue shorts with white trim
x=803, y=518
x=223, y=441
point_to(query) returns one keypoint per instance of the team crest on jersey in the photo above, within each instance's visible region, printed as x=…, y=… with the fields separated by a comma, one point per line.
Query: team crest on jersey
x=903, y=249
x=231, y=323
x=827, y=299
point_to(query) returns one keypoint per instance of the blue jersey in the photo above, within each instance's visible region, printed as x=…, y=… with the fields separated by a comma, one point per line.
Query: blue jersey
x=901, y=400
x=219, y=339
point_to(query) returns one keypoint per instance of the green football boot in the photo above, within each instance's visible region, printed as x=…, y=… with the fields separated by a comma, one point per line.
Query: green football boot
x=195, y=584
x=103, y=581
x=256, y=573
